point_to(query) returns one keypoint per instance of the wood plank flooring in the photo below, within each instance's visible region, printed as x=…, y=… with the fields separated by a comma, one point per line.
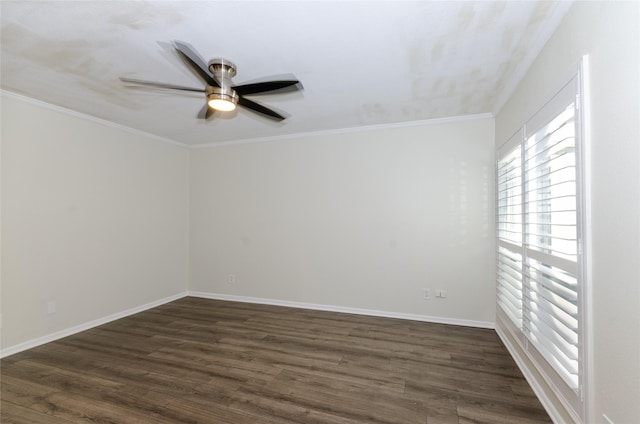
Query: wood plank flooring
x=206, y=361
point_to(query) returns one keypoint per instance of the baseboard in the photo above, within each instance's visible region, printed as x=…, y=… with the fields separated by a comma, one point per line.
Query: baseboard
x=346, y=310
x=85, y=326
x=549, y=406
x=330, y=308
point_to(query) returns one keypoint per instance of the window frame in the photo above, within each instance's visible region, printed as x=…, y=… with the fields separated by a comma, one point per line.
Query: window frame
x=574, y=90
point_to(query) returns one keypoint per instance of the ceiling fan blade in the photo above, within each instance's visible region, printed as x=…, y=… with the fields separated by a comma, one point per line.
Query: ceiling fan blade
x=263, y=87
x=196, y=62
x=206, y=112
x=202, y=114
x=256, y=107
x=160, y=85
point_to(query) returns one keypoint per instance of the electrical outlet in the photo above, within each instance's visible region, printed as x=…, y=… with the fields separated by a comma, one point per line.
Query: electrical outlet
x=426, y=294
x=51, y=307
x=231, y=279
x=442, y=294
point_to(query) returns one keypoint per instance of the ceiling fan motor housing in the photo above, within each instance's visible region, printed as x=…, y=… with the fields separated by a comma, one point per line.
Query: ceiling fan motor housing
x=222, y=67
x=222, y=70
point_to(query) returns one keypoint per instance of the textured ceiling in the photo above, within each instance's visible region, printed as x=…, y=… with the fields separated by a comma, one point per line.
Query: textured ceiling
x=361, y=62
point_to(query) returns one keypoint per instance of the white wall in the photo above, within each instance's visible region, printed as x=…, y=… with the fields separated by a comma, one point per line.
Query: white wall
x=610, y=33
x=356, y=220
x=93, y=217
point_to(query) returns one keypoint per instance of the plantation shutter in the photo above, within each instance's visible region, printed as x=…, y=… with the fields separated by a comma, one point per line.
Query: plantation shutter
x=539, y=257
x=509, y=227
x=550, y=267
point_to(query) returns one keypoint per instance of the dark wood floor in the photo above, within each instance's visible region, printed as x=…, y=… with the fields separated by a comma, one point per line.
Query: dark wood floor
x=205, y=361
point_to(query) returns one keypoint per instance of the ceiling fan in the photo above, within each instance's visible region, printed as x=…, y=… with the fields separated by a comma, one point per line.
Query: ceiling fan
x=220, y=92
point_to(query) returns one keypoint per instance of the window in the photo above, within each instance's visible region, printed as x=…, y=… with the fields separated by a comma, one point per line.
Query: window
x=509, y=257
x=539, y=253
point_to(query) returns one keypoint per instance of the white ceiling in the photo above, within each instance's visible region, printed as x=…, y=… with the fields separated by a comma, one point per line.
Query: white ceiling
x=361, y=62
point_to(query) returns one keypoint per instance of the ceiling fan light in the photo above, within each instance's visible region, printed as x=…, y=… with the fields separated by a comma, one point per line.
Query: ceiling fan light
x=221, y=104
x=221, y=98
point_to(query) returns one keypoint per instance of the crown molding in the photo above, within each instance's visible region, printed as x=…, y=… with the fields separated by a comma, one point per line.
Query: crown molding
x=336, y=131
x=86, y=117
x=348, y=130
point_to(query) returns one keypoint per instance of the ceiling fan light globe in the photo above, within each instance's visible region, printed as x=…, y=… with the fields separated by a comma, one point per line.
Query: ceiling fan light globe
x=222, y=98
x=221, y=105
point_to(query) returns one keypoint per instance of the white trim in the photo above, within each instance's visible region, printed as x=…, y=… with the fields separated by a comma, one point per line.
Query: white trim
x=29, y=344
x=86, y=117
x=348, y=130
x=344, y=309
x=587, y=292
x=551, y=259
x=540, y=393
x=516, y=248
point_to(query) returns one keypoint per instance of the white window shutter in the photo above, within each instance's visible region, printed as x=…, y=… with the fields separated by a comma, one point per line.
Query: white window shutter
x=539, y=259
